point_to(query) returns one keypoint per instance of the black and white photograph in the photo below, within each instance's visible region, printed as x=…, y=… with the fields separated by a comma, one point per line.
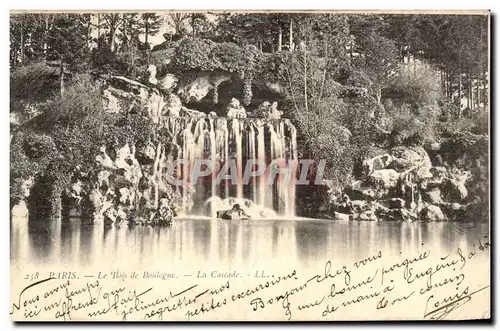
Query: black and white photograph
x=249, y=165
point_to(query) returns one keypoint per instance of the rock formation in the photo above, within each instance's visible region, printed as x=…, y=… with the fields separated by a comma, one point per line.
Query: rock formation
x=403, y=185
x=234, y=110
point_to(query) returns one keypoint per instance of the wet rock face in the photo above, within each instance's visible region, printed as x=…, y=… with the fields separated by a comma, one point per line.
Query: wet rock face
x=403, y=185
x=404, y=158
x=377, y=163
x=235, y=213
x=234, y=110
x=268, y=110
x=173, y=106
x=198, y=88
x=383, y=178
x=20, y=210
x=433, y=213
x=123, y=189
x=123, y=95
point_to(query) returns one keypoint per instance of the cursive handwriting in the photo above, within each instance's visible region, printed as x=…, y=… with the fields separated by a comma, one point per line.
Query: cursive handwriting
x=371, y=287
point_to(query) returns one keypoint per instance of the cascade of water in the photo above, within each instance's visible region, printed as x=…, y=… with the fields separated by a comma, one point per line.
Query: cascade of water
x=218, y=140
x=237, y=128
x=261, y=155
x=253, y=156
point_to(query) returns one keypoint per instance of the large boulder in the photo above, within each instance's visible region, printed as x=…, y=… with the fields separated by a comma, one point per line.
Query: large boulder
x=152, y=74
x=123, y=155
x=103, y=158
x=168, y=82
x=404, y=158
x=423, y=173
x=433, y=196
x=368, y=216
x=173, y=106
x=20, y=210
x=102, y=178
x=198, y=88
x=396, y=203
x=359, y=206
x=439, y=176
x=376, y=163
x=384, y=178
x=274, y=113
x=234, y=110
x=133, y=94
x=263, y=110
x=433, y=213
x=455, y=185
x=235, y=213
x=146, y=154
x=163, y=216
x=274, y=87
x=110, y=102
x=126, y=196
x=154, y=105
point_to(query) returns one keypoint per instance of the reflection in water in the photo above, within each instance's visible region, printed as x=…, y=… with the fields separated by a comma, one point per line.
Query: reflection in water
x=201, y=242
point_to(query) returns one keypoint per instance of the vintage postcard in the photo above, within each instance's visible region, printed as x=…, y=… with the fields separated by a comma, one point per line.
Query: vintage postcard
x=249, y=166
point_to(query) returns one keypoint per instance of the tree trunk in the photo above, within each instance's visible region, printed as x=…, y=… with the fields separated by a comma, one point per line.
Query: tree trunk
x=193, y=25
x=280, y=39
x=112, y=33
x=459, y=95
x=443, y=84
x=290, y=37
x=445, y=73
x=125, y=43
x=379, y=95
x=450, y=87
x=478, y=96
x=61, y=76
x=45, y=36
x=485, y=93
x=98, y=28
x=305, y=80
x=21, y=45
x=471, y=92
x=414, y=66
x=89, y=33
x=146, y=32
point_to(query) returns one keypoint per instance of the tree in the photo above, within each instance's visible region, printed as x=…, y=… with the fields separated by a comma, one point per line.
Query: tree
x=67, y=44
x=197, y=21
x=178, y=21
x=150, y=24
x=378, y=54
x=112, y=22
x=131, y=29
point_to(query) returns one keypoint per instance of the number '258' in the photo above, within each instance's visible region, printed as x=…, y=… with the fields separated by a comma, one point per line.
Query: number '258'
x=31, y=277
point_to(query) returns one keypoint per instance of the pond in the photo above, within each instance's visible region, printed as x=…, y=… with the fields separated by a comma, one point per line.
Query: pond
x=201, y=242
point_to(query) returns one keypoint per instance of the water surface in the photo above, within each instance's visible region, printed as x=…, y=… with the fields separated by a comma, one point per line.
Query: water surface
x=232, y=244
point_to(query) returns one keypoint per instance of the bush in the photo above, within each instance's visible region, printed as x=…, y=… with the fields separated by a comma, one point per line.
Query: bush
x=38, y=145
x=35, y=82
x=417, y=87
x=81, y=102
x=415, y=128
x=205, y=55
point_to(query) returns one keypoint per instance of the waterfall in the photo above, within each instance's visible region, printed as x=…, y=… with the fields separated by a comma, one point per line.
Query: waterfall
x=245, y=142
